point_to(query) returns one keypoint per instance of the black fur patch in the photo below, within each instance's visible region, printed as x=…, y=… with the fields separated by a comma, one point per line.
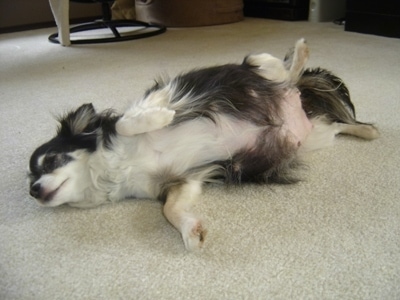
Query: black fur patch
x=270, y=160
x=323, y=93
x=229, y=89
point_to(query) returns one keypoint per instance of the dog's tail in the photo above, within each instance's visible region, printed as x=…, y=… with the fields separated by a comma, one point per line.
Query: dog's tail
x=323, y=93
x=325, y=96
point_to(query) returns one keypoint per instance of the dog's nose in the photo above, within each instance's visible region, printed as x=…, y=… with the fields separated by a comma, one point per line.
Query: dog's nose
x=35, y=190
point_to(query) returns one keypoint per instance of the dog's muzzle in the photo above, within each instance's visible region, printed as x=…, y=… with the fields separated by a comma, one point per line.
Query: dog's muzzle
x=43, y=194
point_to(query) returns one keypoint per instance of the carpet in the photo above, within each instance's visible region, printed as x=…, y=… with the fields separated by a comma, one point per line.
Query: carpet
x=334, y=235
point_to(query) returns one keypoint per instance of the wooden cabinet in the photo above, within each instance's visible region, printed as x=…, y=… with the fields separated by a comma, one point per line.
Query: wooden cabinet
x=379, y=17
x=277, y=9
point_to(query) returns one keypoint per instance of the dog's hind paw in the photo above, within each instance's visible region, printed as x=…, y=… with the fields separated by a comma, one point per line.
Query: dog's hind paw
x=302, y=51
x=144, y=120
x=300, y=58
x=193, y=235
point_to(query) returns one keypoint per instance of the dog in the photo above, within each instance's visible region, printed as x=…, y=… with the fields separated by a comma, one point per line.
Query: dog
x=234, y=123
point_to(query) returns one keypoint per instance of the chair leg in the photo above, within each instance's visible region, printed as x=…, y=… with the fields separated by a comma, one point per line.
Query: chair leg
x=106, y=10
x=60, y=10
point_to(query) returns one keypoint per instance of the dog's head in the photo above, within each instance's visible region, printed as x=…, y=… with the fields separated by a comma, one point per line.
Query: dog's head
x=58, y=170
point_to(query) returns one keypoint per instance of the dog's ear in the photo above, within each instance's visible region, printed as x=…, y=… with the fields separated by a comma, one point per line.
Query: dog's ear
x=81, y=121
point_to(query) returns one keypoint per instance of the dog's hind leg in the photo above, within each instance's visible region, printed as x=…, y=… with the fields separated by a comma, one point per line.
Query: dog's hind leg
x=364, y=131
x=177, y=210
x=324, y=132
x=300, y=58
x=296, y=59
x=275, y=69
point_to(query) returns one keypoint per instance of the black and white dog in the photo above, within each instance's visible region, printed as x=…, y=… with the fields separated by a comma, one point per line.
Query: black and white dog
x=232, y=123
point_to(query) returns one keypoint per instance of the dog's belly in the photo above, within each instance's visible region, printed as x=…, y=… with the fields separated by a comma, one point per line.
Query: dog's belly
x=173, y=151
x=177, y=149
x=201, y=141
x=296, y=123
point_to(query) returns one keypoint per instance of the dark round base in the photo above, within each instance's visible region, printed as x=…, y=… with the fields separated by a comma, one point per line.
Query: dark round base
x=148, y=31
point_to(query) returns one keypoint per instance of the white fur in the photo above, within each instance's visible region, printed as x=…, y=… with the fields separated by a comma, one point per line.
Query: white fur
x=177, y=210
x=144, y=120
x=324, y=132
x=194, y=143
x=72, y=183
x=270, y=67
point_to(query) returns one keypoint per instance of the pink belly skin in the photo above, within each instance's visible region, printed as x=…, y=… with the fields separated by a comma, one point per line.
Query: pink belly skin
x=296, y=124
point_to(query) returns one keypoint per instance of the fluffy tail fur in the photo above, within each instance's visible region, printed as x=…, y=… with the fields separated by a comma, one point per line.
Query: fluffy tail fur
x=323, y=93
x=326, y=101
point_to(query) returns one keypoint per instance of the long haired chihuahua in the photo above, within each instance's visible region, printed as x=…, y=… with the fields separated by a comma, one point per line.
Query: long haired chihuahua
x=233, y=123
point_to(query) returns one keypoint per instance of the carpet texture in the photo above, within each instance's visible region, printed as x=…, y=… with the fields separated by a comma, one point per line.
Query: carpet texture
x=335, y=235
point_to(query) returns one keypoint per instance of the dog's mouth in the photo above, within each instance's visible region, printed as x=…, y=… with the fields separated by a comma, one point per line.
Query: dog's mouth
x=47, y=196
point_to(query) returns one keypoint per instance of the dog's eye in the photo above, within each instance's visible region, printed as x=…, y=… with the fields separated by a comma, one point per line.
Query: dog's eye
x=53, y=161
x=49, y=163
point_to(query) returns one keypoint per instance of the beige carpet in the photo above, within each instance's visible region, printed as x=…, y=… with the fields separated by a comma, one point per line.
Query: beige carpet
x=336, y=235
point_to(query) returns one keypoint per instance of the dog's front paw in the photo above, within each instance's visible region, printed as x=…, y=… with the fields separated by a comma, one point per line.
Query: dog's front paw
x=193, y=234
x=144, y=120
